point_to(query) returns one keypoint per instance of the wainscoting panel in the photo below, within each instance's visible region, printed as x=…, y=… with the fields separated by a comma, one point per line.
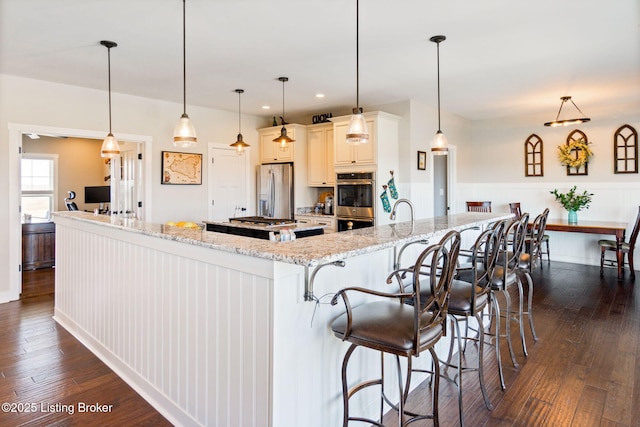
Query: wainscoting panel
x=187, y=327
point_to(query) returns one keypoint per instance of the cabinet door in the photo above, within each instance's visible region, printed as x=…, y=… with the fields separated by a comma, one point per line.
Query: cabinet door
x=344, y=154
x=349, y=154
x=269, y=151
x=366, y=153
x=316, y=157
x=330, y=145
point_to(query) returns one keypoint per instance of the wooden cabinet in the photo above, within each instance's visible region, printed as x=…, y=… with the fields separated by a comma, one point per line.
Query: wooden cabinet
x=38, y=245
x=320, y=156
x=348, y=155
x=269, y=150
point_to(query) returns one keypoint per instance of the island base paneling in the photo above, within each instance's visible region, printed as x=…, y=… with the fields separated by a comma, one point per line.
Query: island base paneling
x=186, y=327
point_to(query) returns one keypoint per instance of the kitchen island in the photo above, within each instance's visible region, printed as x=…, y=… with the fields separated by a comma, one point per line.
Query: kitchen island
x=214, y=329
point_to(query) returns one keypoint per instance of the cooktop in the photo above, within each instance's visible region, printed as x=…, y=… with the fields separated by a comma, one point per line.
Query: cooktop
x=262, y=220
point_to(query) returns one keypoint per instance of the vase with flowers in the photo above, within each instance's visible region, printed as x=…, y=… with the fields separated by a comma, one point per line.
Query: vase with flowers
x=573, y=202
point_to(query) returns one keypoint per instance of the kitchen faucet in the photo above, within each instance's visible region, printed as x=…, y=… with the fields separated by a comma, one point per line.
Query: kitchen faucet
x=395, y=207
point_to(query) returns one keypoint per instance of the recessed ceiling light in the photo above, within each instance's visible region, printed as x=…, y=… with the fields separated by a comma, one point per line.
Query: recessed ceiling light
x=266, y=107
x=319, y=95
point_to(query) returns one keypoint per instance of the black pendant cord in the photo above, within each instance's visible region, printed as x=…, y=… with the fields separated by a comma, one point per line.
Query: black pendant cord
x=438, y=53
x=358, y=56
x=184, y=57
x=239, y=113
x=109, y=79
x=283, y=121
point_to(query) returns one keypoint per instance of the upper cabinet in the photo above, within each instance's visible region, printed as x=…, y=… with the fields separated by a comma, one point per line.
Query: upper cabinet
x=347, y=155
x=270, y=152
x=320, y=157
x=383, y=141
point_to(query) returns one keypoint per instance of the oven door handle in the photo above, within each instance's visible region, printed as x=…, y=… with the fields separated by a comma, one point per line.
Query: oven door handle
x=354, y=183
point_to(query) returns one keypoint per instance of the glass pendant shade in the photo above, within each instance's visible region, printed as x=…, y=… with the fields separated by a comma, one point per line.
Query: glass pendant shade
x=110, y=147
x=240, y=145
x=283, y=140
x=357, y=133
x=439, y=145
x=184, y=134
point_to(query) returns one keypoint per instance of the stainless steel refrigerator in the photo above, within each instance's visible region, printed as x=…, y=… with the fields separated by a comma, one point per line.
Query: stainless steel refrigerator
x=275, y=190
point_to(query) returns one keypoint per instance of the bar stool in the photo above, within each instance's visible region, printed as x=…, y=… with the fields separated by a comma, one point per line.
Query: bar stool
x=390, y=326
x=529, y=259
x=470, y=294
x=504, y=276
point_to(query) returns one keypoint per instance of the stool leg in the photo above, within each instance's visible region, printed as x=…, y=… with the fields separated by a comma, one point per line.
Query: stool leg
x=530, y=305
x=520, y=314
x=345, y=386
x=507, y=317
x=436, y=386
x=485, y=396
x=495, y=307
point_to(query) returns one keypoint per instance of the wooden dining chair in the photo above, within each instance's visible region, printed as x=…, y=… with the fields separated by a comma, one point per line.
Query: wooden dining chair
x=478, y=206
x=627, y=248
x=515, y=209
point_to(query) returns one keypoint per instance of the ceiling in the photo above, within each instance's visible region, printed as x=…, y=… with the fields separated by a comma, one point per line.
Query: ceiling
x=501, y=57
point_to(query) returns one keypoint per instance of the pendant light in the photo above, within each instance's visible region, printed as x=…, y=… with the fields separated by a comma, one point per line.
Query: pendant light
x=239, y=145
x=567, y=122
x=283, y=140
x=110, y=147
x=184, y=134
x=439, y=144
x=357, y=132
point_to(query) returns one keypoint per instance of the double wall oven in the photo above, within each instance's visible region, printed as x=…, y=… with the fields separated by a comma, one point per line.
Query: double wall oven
x=355, y=200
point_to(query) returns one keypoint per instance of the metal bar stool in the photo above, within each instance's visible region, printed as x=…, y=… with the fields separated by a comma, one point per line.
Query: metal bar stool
x=390, y=326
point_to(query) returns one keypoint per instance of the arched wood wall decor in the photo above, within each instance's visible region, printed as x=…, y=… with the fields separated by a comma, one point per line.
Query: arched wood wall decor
x=625, y=150
x=533, y=156
x=577, y=135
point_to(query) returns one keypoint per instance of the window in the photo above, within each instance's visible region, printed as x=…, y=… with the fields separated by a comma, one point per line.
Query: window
x=38, y=184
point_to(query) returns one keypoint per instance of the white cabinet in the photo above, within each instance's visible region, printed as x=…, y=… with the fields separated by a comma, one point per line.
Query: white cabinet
x=270, y=152
x=362, y=154
x=328, y=221
x=320, y=156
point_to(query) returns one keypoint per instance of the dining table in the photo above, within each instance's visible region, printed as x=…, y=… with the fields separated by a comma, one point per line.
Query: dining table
x=618, y=229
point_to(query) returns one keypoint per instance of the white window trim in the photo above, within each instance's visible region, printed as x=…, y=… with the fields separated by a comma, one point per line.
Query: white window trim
x=45, y=156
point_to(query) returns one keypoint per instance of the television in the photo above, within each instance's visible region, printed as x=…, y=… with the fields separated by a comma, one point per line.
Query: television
x=99, y=194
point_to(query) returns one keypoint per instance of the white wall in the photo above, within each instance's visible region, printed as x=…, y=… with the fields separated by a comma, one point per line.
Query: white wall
x=33, y=102
x=493, y=169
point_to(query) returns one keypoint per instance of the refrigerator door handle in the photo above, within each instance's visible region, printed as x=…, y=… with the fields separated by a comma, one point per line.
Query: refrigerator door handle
x=272, y=194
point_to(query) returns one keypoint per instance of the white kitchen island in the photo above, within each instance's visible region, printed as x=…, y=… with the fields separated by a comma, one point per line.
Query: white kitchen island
x=213, y=329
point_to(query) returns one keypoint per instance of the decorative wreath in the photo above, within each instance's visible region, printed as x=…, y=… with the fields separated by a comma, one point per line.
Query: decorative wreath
x=568, y=157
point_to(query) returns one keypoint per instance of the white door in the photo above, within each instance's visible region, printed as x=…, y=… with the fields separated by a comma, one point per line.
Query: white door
x=228, y=182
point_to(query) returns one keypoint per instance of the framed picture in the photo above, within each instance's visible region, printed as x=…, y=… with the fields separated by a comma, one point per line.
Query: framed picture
x=181, y=168
x=422, y=160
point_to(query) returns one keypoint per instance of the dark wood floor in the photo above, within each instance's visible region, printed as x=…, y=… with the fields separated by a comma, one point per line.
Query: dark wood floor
x=46, y=375
x=584, y=370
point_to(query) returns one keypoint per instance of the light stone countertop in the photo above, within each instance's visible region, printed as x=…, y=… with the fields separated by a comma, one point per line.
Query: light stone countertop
x=309, y=251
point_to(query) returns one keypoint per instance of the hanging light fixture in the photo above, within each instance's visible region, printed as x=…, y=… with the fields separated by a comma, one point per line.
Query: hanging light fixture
x=567, y=122
x=184, y=134
x=439, y=144
x=283, y=140
x=110, y=147
x=357, y=132
x=239, y=145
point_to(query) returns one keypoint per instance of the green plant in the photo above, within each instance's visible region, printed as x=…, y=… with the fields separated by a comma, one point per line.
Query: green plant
x=572, y=201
